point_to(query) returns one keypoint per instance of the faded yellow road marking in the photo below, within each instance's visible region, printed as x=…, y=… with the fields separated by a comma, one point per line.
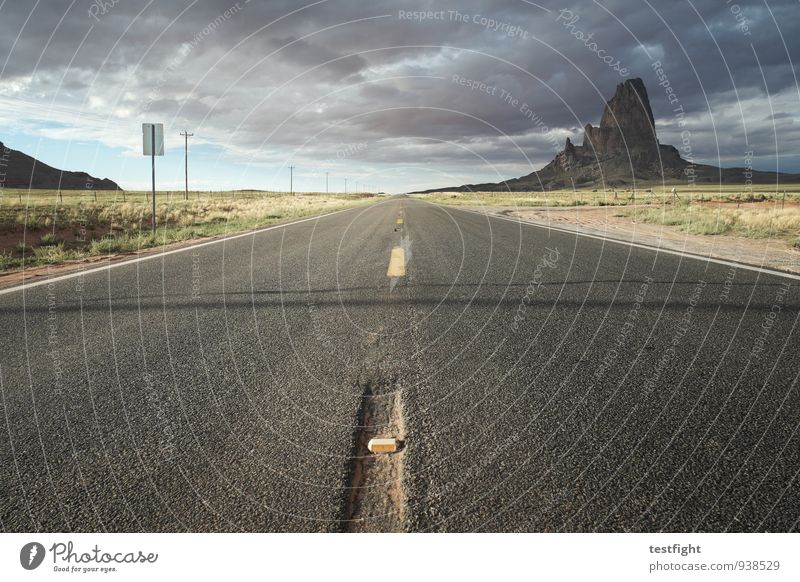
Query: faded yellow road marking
x=399, y=221
x=397, y=263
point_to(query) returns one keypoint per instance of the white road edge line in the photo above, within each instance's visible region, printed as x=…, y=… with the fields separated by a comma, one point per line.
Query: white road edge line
x=126, y=262
x=633, y=244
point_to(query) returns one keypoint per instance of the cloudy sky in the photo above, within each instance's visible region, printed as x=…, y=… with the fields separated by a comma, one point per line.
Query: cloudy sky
x=387, y=94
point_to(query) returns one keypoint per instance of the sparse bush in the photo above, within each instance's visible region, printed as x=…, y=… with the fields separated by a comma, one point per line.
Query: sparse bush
x=51, y=254
x=187, y=233
x=50, y=240
x=104, y=246
x=24, y=249
x=6, y=262
x=29, y=222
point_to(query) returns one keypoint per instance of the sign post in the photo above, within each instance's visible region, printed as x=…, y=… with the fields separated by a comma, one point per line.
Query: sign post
x=153, y=145
x=186, y=136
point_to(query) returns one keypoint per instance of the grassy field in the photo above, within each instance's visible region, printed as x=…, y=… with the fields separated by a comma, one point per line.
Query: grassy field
x=620, y=197
x=49, y=227
x=707, y=210
x=750, y=222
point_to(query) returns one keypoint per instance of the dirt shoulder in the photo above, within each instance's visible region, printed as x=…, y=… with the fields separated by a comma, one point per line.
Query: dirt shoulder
x=774, y=253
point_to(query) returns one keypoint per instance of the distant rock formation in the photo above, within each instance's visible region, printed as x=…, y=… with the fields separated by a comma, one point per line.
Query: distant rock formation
x=19, y=170
x=627, y=123
x=623, y=151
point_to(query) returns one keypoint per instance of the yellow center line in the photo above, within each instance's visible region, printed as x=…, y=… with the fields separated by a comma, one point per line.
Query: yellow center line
x=397, y=263
x=399, y=221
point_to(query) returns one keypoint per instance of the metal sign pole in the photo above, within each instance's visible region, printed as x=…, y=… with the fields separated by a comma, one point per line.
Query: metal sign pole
x=186, y=136
x=153, y=158
x=153, y=149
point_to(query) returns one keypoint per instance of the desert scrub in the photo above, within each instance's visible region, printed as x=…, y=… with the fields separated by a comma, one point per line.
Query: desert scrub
x=105, y=246
x=560, y=198
x=50, y=240
x=52, y=255
x=748, y=222
x=112, y=225
x=6, y=262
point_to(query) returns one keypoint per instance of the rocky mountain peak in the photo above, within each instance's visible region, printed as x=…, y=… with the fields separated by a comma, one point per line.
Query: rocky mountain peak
x=623, y=151
x=627, y=123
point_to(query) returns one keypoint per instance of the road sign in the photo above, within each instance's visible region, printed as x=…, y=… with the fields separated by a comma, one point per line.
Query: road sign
x=153, y=139
x=153, y=145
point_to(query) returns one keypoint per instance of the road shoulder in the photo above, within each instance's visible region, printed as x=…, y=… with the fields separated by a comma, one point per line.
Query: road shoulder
x=599, y=221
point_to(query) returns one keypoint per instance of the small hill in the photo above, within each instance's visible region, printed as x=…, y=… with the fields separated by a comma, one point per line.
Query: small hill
x=19, y=170
x=624, y=151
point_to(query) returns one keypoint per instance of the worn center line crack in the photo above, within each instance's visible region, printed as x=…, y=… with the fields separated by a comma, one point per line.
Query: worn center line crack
x=375, y=492
x=376, y=501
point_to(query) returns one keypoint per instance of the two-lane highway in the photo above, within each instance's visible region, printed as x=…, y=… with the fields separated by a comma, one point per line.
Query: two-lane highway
x=542, y=381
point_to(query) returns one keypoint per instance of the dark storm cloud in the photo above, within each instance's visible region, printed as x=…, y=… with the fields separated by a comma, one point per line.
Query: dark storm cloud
x=276, y=80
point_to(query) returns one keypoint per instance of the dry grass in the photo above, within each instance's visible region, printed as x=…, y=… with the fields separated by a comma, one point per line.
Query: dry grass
x=656, y=196
x=43, y=230
x=707, y=210
x=758, y=222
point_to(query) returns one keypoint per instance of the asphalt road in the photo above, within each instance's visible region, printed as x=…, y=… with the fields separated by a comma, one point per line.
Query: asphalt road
x=549, y=383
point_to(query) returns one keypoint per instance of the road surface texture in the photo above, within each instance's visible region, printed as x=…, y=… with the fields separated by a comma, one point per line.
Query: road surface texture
x=536, y=381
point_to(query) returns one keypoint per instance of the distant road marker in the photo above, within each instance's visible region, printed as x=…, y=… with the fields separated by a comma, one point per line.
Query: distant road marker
x=397, y=263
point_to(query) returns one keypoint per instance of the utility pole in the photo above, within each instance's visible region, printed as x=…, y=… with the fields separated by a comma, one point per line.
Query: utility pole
x=326, y=182
x=291, y=180
x=345, y=185
x=186, y=136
